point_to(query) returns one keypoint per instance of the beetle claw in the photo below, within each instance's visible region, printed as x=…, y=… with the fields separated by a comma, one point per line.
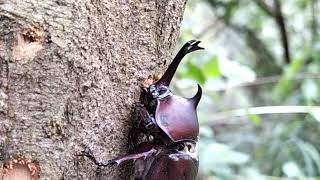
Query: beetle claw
x=107, y=163
x=112, y=162
x=89, y=154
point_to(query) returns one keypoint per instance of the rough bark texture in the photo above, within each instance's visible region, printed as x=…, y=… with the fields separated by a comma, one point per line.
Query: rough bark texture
x=69, y=74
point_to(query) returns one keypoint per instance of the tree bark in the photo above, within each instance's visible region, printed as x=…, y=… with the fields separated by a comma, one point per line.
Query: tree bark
x=69, y=74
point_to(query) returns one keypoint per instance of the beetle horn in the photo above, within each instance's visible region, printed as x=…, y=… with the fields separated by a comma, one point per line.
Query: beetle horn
x=196, y=98
x=188, y=47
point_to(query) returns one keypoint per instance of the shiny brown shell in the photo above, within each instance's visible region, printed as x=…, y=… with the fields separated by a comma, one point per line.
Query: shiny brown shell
x=177, y=117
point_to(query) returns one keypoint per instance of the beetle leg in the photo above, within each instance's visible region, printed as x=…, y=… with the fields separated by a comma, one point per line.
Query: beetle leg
x=148, y=120
x=132, y=139
x=118, y=161
x=134, y=156
x=88, y=153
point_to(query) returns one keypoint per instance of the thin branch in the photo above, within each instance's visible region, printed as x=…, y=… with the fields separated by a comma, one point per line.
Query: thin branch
x=314, y=21
x=283, y=31
x=277, y=14
x=266, y=61
x=264, y=6
x=264, y=110
x=264, y=56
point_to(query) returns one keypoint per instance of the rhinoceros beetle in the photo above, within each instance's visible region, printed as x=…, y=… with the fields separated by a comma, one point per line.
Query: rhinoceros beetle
x=170, y=123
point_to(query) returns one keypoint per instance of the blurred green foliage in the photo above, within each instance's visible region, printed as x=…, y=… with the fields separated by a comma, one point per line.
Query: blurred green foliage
x=247, y=64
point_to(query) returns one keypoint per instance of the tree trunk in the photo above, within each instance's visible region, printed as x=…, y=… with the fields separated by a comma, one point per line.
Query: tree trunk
x=70, y=72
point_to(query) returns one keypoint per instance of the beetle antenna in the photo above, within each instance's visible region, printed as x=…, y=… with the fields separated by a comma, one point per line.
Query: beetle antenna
x=188, y=47
x=196, y=98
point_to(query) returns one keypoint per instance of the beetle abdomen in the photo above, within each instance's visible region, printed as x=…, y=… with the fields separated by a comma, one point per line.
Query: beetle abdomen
x=178, y=166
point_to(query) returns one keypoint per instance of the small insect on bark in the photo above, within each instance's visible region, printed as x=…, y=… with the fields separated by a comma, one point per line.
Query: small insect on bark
x=170, y=126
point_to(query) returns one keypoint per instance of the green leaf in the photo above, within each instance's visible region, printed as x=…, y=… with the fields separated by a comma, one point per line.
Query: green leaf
x=285, y=86
x=293, y=68
x=314, y=154
x=310, y=154
x=211, y=68
x=193, y=72
x=255, y=119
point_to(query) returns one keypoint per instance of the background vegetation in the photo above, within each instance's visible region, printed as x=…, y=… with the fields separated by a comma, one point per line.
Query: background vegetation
x=260, y=73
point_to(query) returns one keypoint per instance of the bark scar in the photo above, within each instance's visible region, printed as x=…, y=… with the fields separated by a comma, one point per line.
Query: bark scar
x=20, y=168
x=29, y=43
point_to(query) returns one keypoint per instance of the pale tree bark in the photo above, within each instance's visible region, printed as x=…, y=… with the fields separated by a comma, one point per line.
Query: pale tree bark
x=70, y=72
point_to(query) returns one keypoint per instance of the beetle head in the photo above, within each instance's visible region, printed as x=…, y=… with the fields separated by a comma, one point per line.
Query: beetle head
x=160, y=88
x=158, y=92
